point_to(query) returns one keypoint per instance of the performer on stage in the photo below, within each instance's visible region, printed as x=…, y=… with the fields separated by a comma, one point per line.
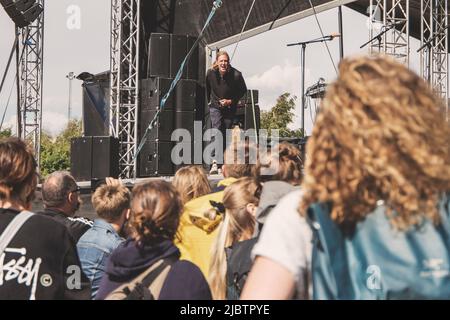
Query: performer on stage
x=224, y=87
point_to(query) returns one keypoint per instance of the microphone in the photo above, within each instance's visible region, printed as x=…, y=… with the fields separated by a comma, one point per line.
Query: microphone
x=334, y=35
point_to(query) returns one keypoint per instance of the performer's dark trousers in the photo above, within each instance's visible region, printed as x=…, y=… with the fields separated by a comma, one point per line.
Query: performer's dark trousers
x=222, y=119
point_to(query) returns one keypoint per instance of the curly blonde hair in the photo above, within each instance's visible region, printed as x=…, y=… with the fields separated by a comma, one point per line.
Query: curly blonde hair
x=379, y=136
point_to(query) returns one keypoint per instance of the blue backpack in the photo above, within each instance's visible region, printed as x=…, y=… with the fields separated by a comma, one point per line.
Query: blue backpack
x=378, y=262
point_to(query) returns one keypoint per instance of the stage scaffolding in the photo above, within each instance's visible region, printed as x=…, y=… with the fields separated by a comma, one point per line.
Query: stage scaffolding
x=393, y=15
x=30, y=80
x=125, y=22
x=434, y=55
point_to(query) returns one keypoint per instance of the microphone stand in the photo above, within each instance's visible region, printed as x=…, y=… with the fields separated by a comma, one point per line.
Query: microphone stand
x=303, y=52
x=378, y=37
x=428, y=44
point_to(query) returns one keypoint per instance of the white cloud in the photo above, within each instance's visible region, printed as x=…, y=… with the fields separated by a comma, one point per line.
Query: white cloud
x=52, y=122
x=275, y=81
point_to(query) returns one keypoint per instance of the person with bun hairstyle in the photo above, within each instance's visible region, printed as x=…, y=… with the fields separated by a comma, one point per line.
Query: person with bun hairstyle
x=40, y=261
x=155, y=214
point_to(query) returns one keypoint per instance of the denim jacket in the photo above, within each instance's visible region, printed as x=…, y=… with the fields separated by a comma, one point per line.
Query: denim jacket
x=94, y=249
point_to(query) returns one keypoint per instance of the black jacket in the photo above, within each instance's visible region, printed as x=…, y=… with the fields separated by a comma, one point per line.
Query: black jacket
x=230, y=86
x=184, y=281
x=77, y=226
x=41, y=262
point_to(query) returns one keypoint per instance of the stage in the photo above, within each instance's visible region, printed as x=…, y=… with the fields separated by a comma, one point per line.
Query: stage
x=86, y=210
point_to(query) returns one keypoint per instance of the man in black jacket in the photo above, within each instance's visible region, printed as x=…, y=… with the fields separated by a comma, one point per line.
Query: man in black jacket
x=60, y=194
x=225, y=85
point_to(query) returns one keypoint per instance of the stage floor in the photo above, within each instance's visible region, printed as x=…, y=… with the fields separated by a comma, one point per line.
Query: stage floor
x=86, y=210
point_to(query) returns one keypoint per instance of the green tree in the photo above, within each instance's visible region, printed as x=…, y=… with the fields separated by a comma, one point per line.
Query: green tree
x=280, y=116
x=6, y=133
x=55, y=152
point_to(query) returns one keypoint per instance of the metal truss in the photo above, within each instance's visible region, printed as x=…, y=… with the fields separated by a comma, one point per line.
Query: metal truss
x=434, y=40
x=393, y=18
x=30, y=71
x=125, y=22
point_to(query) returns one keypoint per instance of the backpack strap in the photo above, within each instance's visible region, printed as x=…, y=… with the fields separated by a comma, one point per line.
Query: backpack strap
x=153, y=278
x=12, y=228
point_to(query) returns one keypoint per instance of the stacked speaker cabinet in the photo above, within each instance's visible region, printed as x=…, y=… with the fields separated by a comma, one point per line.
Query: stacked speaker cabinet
x=179, y=112
x=22, y=12
x=183, y=107
x=167, y=52
x=81, y=158
x=248, y=112
x=94, y=157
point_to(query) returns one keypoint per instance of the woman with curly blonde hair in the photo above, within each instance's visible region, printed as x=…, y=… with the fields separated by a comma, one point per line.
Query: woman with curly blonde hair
x=378, y=168
x=374, y=191
x=155, y=214
x=379, y=136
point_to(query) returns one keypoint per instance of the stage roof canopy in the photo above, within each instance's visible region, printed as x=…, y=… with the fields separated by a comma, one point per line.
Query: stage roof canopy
x=229, y=19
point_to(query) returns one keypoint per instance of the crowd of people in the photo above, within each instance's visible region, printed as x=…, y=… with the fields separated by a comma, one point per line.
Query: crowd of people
x=363, y=215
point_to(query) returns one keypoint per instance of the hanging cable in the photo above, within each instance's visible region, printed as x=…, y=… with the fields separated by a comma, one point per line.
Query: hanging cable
x=323, y=36
x=216, y=5
x=243, y=28
x=15, y=77
x=279, y=14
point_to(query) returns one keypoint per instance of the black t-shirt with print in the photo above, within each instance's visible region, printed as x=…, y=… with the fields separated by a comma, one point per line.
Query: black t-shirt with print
x=41, y=262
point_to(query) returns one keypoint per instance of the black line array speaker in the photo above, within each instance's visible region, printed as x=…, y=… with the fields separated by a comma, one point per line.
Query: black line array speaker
x=159, y=55
x=167, y=122
x=246, y=118
x=22, y=12
x=96, y=94
x=167, y=52
x=155, y=158
x=152, y=90
x=151, y=162
x=105, y=157
x=94, y=157
x=81, y=158
x=244, y=113
x=179, y=112
x=185, y=96
x=247, y=98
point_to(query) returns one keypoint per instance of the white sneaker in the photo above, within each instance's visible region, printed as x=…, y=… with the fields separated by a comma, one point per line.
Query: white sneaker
x=214, y=168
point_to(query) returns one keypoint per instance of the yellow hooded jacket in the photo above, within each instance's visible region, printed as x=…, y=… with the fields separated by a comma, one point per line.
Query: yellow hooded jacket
x=196, y=233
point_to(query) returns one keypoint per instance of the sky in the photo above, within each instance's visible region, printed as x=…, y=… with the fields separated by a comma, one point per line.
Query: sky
x=267, y=64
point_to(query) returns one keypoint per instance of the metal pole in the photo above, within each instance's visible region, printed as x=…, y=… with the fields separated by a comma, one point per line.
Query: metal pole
x=70, y=76
x=341, y=32
x=303, y=88
x=19, y=116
